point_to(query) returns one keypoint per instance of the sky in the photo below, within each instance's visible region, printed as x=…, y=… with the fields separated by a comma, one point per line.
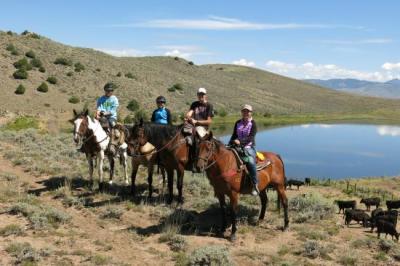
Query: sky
x=300, y=39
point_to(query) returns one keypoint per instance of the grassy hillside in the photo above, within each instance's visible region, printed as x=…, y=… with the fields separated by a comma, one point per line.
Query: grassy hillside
x=229, y=86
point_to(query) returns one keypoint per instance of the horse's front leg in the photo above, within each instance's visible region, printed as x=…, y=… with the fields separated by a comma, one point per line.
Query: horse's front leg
x=101, y=162
x=112, y=167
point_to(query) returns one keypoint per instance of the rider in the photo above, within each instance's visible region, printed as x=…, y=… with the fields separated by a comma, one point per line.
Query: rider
x=244, y=133
x=199, y=116
x=161, y=115
x=106, y=112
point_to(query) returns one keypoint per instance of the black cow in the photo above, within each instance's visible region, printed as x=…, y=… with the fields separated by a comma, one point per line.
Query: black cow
x=387, y=228
x=346, y=204
x=393, y=204
x=294, y=182
x=371, y=202
x=356, y=215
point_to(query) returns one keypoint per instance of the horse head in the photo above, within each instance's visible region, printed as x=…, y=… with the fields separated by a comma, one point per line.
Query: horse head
x=206, y=150
x=81, y=124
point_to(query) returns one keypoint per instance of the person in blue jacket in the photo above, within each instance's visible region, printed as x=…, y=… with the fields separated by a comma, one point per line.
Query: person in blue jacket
x=161, y=115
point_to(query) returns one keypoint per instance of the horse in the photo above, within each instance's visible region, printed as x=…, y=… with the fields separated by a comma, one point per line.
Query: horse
x=221, y=167
x=146, y=158
x=171, y=148
x=95, y=142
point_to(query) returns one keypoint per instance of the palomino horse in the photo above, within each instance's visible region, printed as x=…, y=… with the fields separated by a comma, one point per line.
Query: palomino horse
x=95, y=142
x=222, y=170
x=170, y=145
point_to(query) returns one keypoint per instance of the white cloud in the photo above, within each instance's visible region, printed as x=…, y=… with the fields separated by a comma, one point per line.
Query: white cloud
x=389, y=131
x=178, y=53
x=391, y=66
x=121, y=52
x=311, y=70
x=222, y=23
x=244, y=62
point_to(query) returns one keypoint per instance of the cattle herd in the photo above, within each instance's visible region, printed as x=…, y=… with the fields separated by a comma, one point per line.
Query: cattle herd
x=384, y=220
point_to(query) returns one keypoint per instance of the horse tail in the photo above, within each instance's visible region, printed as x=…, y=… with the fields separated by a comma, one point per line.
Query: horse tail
x=278, y=202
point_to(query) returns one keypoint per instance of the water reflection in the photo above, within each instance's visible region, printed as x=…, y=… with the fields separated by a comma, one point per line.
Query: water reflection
x=334, y=150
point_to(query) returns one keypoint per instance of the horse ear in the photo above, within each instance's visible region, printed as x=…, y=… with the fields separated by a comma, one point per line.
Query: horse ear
x=75, y=113
x=86, y=112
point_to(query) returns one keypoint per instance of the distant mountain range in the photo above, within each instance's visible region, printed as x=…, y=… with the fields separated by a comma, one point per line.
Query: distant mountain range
x=389, y=89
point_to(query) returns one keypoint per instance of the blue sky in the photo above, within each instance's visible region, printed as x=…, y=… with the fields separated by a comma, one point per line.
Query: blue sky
x=302, y=39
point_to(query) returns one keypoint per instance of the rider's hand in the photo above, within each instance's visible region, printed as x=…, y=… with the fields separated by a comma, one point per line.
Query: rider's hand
x=236, y=141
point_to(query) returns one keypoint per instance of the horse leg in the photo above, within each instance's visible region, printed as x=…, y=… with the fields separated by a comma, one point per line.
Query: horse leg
x=234, y=199
x=112, y=166
x=264, y=201
x=170, y=177
x=179, y=183
x=222, y=204
x=101, y=161
x=135, y=166
x=90, y=162
x=150, y=170
x=282, y=197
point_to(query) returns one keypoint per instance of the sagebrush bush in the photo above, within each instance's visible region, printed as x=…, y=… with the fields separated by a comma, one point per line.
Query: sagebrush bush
x=36, y=63
x=52, y=80
x=63, y=61
x=23, y=64
x=311, y=207
x=30, y=54
x=20, y=89
x=130, y=75
x=74, y=99
x=210, y=255
x=43, y=87
x=20, y=74
x=79, y=67
x=133, y=105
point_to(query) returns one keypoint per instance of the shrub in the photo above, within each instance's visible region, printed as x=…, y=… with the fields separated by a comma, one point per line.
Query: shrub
x=311, y=207
x=43, y=87
x=20, y=74
x=22, y=123
x=79, y=67
x=30, y=54
x=112, y=213
x=74, y=99
x=63, y=61
x=36, y=63
x=52, y=80
x=133, y=105
x=210, y=255
x=42, y=69
x=20, y=89
x=70, y=74
x=141, y=114
x=129, y=75
x=23, y=64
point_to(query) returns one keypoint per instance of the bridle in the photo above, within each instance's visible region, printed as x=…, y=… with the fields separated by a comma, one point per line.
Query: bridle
x=210, y=153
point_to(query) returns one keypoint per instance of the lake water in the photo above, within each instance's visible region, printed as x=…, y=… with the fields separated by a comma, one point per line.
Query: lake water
x=334, y=151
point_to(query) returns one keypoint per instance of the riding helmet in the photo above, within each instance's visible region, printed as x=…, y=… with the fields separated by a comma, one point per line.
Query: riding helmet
x=161, y=99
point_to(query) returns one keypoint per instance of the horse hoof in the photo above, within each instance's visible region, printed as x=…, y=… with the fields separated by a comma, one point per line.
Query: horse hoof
x=232, y=238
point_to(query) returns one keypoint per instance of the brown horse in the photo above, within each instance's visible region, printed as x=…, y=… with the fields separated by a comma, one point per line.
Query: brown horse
x=171, y=149
x=226, y=178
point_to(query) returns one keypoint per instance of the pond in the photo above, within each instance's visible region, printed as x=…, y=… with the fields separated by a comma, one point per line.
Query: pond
x=334, y=151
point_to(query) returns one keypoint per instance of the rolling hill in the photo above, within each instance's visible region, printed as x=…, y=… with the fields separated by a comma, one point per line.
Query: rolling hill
x=388, y=89
x=144, y=78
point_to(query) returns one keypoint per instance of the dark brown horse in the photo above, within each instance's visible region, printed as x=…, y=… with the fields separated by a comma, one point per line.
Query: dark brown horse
x=226, y=178
x=171, y=149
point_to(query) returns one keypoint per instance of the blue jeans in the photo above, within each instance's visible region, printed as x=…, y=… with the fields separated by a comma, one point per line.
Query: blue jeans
x=251, y=164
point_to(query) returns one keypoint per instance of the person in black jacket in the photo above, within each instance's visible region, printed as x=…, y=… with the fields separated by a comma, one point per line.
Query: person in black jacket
x=244, y=133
